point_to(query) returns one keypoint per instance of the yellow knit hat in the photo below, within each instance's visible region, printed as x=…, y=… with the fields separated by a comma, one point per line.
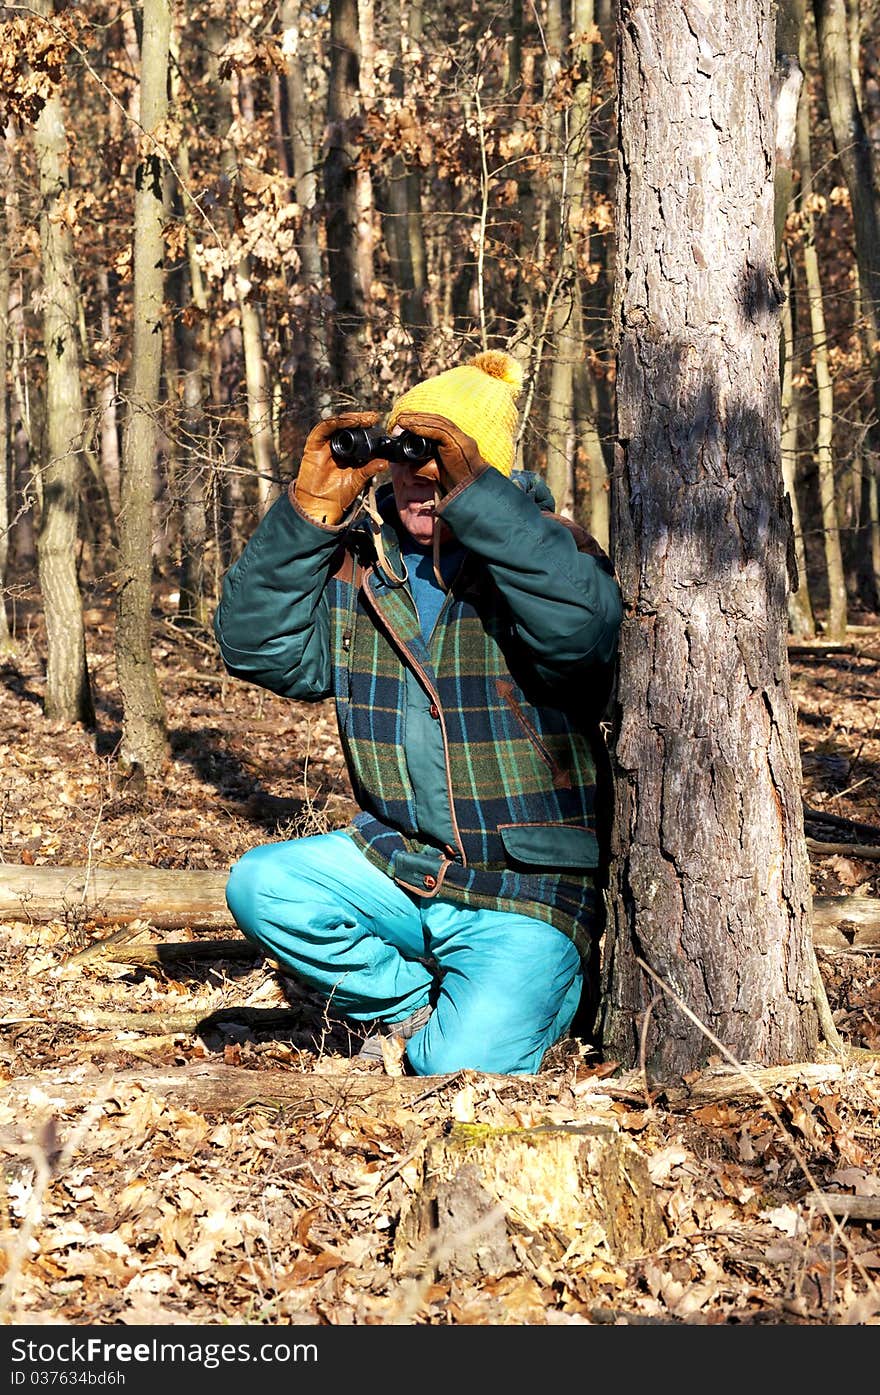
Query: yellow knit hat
x=479, y=397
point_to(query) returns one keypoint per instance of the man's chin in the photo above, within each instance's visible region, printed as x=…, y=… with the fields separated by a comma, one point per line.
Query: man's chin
x=420, y=527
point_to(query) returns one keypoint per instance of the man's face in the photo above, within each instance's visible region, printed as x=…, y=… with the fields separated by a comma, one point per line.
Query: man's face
x=414, y=495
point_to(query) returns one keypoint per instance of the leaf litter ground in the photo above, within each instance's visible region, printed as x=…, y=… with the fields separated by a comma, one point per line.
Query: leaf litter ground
x=128, y=1200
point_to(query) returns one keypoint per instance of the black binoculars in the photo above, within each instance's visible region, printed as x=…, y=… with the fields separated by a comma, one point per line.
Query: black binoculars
x=355, y=445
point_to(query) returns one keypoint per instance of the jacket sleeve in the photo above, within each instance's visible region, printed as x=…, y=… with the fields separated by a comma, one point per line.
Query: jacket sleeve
x=565, y=603
x=273, y=620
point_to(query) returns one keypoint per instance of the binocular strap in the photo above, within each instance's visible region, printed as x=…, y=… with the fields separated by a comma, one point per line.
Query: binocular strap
x=372, y=511
x=436, y=540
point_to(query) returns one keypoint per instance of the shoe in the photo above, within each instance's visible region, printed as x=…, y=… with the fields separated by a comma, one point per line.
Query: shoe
x=372, y=1046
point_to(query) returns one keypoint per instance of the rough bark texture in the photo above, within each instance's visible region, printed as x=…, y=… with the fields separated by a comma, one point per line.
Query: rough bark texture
x=144, y=740
x=340, y=192
x=709, y=881
x=68, y=692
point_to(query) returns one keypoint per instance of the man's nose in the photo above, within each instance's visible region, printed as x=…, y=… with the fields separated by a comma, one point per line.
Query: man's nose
x=428, y=471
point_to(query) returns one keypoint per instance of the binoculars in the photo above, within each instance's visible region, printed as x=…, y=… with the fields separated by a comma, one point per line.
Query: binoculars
x=355, y=445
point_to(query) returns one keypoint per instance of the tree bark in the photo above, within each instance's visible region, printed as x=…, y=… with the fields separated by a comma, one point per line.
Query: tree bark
x=7, y=643
x=340, y=193
x=800, y=610
x=144, y=740
x=854, y=153
x=823, y=453
x=68, y=691
x=311, y=385
x=709, y=887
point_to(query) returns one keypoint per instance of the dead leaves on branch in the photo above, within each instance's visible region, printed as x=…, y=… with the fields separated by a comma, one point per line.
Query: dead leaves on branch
x=33, y=55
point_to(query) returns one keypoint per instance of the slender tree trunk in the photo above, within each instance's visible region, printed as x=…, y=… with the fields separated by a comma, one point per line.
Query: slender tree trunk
x=7, y=643
x=823, y=454
x=108, y=397
x=366, y=236
x=256, y=369
x=190, y=328
x=404, y=221
x=340, y=193
x=788, y=79
x=144, y=742
x=874, y=523
x=709, y=904
x=800, y=611
x=854, y=154
x=313, y=373
x=68, y=691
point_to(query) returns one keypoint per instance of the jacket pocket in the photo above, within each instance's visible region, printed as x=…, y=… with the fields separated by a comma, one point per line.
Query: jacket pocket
x=550, y=844
x=561, y=778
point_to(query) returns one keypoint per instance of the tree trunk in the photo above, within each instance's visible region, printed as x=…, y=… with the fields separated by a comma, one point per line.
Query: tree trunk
x=708, y=939
x=313, y=373
x=800, y=610
x=404, y=232
x=256, y=369
x=823, y=455
x=852, y=145
x=7, y=643
x=144, y=739
x=190, y=331
x=68, y=692
x=788, y=80
x=365, y=235
x=854, y=153
x=340, y=192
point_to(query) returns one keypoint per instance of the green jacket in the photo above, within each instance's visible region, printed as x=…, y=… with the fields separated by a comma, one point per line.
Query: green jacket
x=472, y=758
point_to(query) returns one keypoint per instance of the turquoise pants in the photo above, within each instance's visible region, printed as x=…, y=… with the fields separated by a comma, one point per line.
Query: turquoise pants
x=504, y=986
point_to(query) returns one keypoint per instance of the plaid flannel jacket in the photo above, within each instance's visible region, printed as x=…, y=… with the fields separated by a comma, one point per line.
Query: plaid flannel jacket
x=517, y=673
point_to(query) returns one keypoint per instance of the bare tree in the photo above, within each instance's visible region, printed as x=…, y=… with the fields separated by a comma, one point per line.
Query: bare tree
x=709, y=896
x=823, y=452
x=340, y=193
x=144, y=740
x=68, y=691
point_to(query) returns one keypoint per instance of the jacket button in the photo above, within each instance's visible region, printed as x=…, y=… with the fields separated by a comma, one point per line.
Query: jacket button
x=430, y=882
x=434, y=710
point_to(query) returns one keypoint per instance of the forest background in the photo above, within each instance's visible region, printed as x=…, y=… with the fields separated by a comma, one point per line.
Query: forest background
x=222, y=221
x=252, y=215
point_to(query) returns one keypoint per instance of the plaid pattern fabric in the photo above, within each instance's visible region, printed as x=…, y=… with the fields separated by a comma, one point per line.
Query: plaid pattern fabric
x=518, y=755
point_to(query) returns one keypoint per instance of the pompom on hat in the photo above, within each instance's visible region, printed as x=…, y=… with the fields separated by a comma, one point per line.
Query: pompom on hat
x=479, y=397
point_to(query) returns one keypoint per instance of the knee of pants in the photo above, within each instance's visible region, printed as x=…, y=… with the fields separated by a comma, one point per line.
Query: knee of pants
x=247, y=879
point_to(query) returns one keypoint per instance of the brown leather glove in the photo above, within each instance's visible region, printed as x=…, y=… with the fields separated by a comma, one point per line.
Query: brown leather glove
x=323, y=489
x=458, y=455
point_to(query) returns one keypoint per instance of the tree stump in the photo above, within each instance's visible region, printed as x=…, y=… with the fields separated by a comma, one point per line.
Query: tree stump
x=582, y=1188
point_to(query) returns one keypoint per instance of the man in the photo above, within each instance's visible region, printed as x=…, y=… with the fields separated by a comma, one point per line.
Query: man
x=468, y=636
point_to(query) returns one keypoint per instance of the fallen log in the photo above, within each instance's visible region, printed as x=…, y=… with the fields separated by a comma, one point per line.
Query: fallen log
x=862, y=852
x=852, y=1208
x=864, y=830
x=213, y=1087
x=171, y=952
x=179, y=898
